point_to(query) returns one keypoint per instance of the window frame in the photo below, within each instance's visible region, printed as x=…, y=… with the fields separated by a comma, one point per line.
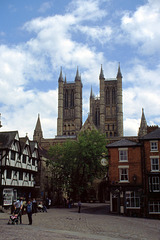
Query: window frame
x=154, y=204
x=154, y=184
x=121, y=169
x=123, y=157
x=133, y=198
x=153, y=146
x=153, y=165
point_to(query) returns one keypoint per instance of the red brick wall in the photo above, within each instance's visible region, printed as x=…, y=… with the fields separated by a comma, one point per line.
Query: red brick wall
x=148, y=153
x=134, y=163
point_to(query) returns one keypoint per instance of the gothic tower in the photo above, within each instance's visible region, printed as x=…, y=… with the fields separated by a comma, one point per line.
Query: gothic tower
x=38, y=134
x=106, y=111
x=119, y=104
x=143, y=125
x=60, y=105
x=69, y=120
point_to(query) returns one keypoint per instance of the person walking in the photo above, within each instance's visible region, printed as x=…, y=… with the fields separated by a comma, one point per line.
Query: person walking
x=79, y=206
x=29, y=211
x=34, y=203
x=18, y=205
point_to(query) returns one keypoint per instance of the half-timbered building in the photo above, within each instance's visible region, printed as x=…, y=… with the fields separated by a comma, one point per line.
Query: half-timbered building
x=18, y=167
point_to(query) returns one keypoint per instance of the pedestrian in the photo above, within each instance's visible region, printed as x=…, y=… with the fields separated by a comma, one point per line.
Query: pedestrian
x=34, y=202
x=79, y=206
x=18, y=205
x=29, y=211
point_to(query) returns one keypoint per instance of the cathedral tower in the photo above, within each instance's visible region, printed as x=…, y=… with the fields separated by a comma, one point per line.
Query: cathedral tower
x=106, y=111
x=69, y=120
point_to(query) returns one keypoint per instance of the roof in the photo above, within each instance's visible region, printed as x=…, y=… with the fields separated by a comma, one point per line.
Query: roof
x=6, y=139
x=154, y=135
x=123, y=143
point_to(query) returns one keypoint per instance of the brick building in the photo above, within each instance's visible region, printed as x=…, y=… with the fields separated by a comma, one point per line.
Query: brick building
x=151, y=158
x=134, y=176
x=125, y=176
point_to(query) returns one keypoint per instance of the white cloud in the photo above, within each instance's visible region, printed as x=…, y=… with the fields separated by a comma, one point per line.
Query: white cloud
x=57, y=41
x=87, y=10
x=131, y=126
x=101, y=34
x=141, y=27
x=45, y=6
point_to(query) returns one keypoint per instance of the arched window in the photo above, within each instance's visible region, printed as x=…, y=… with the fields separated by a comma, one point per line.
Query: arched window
x=66, y=99
x=97, y=117
x=107, y=96
x=72, y=98
x=113, y=96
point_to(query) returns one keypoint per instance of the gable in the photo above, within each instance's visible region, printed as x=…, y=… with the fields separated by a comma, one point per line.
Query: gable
x=88, y=125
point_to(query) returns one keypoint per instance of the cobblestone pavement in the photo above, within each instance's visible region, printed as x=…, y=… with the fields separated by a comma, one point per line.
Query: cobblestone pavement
x=93, y=223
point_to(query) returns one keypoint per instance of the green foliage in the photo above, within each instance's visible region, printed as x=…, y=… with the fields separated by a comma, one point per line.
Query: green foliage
x=77, y=163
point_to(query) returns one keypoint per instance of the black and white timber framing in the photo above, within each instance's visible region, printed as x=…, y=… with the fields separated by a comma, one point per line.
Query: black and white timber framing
x=18, y=167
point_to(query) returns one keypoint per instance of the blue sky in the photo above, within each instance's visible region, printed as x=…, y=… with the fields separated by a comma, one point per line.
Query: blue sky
x=39, y=37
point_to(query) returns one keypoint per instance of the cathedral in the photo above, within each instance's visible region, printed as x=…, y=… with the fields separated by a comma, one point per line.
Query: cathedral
x=106, y=114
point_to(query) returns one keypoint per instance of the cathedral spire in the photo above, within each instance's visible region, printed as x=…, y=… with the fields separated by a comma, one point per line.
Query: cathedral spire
x=101, y=75
x=143, y=125
x=119, y=74
x=78, y=77
x=91, y=94
x=60, y=76
x=38, y=135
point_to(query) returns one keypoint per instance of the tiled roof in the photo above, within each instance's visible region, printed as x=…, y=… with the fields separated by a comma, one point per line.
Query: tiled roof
x=6, y=139
x=123, y=143
x=152, y=135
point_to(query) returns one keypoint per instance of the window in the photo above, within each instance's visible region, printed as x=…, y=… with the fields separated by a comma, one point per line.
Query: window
x=107, y=96
x=132, y=200
x=72, y=98
x=154, y=207
x=154, y=185
x=154, y=164
x=123, y=155
x=154, y=146
x=123, y=174
x=20, y=175
x=13, y=155
x=113, y=96
x=97, y=117
x=9, y=174
x=33, y=161
x=24, y=159
x=66, y=99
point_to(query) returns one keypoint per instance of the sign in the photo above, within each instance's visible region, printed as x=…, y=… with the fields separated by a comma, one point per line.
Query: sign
x=7, y=196
x=104, y=162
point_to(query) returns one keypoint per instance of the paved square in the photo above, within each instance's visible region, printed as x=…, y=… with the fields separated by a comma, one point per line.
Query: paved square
x=93, y=223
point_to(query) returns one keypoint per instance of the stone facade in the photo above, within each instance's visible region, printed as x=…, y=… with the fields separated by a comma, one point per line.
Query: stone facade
x=105, y=112
x=69, y=120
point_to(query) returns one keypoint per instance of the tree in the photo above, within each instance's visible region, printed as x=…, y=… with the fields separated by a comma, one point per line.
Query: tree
x=78, y=162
